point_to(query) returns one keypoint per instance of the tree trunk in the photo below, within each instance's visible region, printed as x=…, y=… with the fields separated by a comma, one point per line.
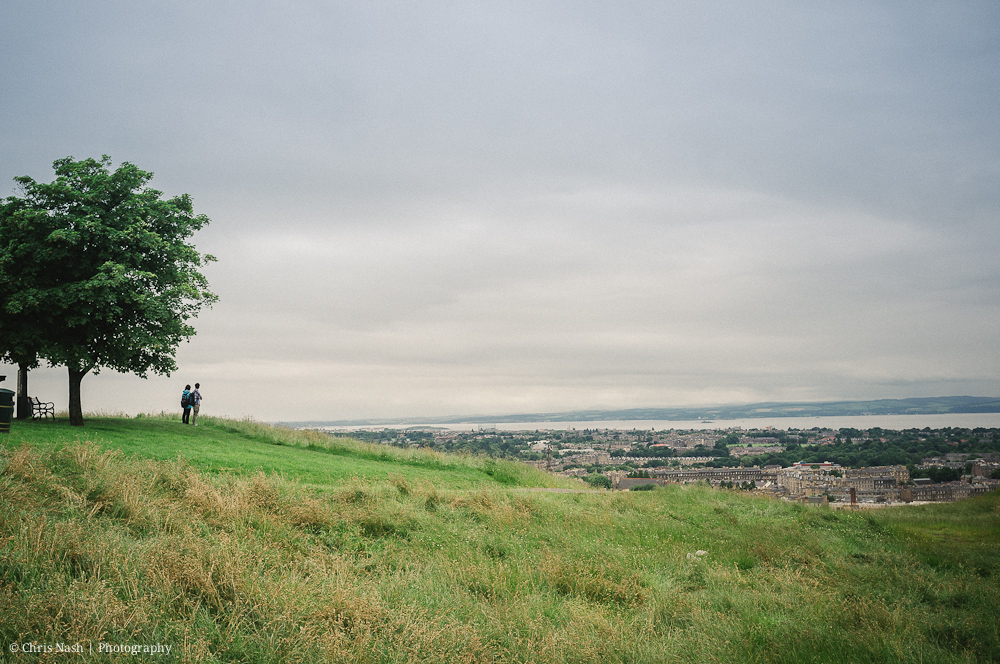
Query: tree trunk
x=75, y=405
x=23, y=401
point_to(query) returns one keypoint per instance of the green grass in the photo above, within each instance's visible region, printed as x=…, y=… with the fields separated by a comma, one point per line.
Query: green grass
x=269, y=547
x=313, y=459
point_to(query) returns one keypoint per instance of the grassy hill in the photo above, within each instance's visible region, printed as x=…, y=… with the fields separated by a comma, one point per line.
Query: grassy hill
x=311, y=459
x=233, y=541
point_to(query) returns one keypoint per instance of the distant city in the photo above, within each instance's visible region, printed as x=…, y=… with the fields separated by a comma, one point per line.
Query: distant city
x=839, y=467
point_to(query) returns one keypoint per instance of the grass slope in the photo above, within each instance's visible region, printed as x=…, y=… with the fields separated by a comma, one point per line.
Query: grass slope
x=311, y=458
x=403, y=563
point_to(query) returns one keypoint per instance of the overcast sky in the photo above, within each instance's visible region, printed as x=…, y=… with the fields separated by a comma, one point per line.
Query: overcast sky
x=448, y=208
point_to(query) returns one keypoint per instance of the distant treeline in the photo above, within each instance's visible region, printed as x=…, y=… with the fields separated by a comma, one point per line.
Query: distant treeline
x=854, y=448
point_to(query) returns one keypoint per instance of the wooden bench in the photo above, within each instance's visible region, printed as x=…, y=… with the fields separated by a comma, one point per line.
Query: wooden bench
x=42, y=409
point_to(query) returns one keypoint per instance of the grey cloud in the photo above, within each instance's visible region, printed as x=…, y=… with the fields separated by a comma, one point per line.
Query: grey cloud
x=530, y=206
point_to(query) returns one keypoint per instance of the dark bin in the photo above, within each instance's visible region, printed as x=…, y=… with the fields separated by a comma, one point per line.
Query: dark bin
x=6, y=409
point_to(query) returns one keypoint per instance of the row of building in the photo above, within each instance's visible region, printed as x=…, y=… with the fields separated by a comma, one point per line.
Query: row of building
x=875, y=484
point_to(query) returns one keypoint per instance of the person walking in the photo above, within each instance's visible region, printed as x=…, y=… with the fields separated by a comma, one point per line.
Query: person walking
x=195, y=400
x=186, y=404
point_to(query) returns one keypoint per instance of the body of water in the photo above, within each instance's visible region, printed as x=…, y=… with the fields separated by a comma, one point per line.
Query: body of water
x=897, y=422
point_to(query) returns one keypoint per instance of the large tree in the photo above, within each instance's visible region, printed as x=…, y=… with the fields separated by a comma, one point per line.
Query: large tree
x=100, y=270
x=21, y=325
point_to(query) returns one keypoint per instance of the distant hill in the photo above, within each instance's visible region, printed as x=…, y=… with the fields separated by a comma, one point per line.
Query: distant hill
x=917, y=406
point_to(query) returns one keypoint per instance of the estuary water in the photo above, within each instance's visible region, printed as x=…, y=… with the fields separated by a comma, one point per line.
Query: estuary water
x=898, y=422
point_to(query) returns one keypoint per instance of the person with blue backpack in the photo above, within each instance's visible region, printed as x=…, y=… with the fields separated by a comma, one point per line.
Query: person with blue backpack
x=186, y=404
x=194, y=398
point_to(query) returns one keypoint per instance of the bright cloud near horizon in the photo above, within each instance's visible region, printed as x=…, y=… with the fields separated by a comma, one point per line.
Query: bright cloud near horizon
x=455, y=208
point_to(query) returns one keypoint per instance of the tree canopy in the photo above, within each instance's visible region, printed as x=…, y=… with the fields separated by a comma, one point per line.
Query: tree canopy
x=97, y=271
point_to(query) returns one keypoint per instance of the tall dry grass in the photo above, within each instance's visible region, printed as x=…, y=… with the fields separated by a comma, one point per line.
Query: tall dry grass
x=97, y=546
